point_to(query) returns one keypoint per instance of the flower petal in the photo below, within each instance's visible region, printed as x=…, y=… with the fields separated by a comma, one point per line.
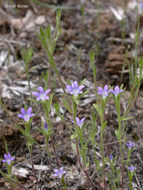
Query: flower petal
x=121, y=90
x=69, y=87
x=82, y=120
x=23, y=111
x=75, y=84
x=46, y=97
x=117, y=88
x=8, y=162
x=29, y=110
x=35, y=93
x=81, y=87
x=20, y=115
x=110, y=90
x=106, y=87
x=99, y=88
x=32, y=114
x=8, y=155
x=47, y=91
x=55, y=175
x=41, y=90
x=61, y=169
x=5, y=156
x=38, y=98
x=56, y=170
x=77, y=121
x=12, y=158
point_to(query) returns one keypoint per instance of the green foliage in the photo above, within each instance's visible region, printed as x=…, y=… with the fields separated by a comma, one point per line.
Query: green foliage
x=64, y=101
x=27, y=54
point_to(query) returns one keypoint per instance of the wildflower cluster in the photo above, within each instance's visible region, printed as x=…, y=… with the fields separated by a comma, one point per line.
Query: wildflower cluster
x=80, y=140
x=74, y=89
x=104, y=92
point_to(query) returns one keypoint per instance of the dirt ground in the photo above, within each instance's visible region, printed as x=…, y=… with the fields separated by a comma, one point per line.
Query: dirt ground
x=80, y=35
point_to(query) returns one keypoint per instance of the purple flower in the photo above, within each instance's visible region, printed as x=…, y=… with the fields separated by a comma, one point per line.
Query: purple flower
x=116, y=90
x=79, y=122
x=26, y=115
x=104, y=92
x=41, y=95
x=75, y=89
x=45, y=126
x=8, y=158
x=130, y=145
x=132, y=168
x=59, y=173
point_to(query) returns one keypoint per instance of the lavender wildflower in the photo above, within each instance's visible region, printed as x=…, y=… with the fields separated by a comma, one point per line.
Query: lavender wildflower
x=8, y=158
x=79, y=122
x=104, y=92
x=116, y=90
x=41, y=95
x=130, y=145
x=26, y=115
x=75, y=89
x=132, y=168
x=59, y=173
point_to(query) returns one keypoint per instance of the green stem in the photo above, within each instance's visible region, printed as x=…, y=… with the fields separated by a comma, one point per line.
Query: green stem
x=55, y=69
x=63, y=182
x=9, y=174
x=9, y=170
x=52, y=62
x=113, y=172
x=49, y=77
x=32, y=164
x=29, y=86
x=55, y=154
x=120, y=139
x=48, y=152
x=130, y=184
x=80, y=164
x=102, y=141
x=132, y=100
x=50, y=128
x=77, y=148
